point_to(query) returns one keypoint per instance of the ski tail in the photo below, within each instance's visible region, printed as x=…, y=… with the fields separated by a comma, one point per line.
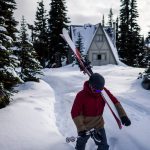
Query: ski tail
x=113, y=113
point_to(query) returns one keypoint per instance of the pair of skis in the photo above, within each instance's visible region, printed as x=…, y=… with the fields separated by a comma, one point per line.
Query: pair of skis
x=85, y=66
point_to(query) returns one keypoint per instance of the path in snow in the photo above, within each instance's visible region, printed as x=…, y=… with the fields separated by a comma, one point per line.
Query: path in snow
x=67, y=81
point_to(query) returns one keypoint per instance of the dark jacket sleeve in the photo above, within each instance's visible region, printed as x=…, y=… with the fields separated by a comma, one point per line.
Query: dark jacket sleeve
x=76, y=113
x=117, y=104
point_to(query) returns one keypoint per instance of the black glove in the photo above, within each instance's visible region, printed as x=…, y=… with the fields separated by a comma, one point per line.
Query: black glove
x=83, y=133
x=125, y=121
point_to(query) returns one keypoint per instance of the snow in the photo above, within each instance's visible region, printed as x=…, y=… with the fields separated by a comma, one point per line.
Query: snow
x=2, y=29
x=2, y=47
x=39, y=116
x=87, y=31
x=13, y=73
x=114, y=50
x=15, y=48
x=8, y=38
x=29, y=43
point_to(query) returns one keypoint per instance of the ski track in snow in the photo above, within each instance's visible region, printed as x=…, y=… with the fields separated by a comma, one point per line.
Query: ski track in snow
x=136, y=110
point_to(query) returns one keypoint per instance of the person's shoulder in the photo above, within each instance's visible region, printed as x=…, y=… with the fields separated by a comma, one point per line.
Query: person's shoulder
x=80, y=93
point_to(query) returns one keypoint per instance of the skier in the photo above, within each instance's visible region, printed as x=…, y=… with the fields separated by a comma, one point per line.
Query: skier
x=87, y=113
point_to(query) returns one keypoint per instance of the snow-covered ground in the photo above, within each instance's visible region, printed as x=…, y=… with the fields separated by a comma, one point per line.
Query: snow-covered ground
x=39, y=116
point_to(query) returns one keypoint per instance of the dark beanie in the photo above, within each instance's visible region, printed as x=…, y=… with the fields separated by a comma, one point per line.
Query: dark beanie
x=97, y=81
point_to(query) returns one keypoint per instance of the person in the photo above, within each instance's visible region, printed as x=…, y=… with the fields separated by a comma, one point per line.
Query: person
x=87, y=113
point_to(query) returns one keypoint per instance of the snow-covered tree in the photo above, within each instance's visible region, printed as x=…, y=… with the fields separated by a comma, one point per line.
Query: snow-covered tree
x=79, y=43
x=103, y=21
x=124, y=31
x=117, y=32
x=57, y=21
x=110, y=18
x=147, y=41
x=7, y=8
x=4, y=98
x=146, y=77
x=30, y=66
x=129, y=46
x=8, y=76
x=41, y=34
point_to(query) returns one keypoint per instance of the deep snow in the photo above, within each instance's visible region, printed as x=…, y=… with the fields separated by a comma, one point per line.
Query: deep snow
x=39, y=116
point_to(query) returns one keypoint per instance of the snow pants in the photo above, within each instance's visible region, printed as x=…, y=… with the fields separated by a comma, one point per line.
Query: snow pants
x=101, y=136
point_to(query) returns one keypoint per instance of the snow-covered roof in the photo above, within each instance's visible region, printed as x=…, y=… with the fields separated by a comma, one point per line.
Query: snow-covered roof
x=113, y=48
x=87, y=33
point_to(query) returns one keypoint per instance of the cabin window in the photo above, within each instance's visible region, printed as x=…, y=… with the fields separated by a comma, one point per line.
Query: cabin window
x=101, y=56
x=99, y=38
x=94, y=56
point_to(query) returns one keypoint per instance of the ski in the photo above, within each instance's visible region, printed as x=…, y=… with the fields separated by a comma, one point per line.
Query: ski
x=86, y=68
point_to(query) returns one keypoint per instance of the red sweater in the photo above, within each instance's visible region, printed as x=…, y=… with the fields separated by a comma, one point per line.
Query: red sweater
x=88, y=103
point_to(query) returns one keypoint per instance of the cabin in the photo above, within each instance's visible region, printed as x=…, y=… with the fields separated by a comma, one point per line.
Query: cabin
x=98, y=43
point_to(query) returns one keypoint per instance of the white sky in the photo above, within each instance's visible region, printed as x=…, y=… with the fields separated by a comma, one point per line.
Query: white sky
x=86, y=11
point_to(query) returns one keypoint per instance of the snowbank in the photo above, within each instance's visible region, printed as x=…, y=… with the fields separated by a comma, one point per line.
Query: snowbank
x=39, y=117
x=29, y=122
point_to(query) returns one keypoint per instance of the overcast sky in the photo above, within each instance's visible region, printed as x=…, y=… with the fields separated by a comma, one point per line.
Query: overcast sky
x=86, y=11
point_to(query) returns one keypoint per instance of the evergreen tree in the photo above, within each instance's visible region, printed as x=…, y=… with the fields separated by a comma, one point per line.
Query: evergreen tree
x=7, y=8
x=110, y=18
x=8, y=76
x=146, y=59
x=124, y=31
x=146, y=77
x=130, y=41
x=41, y=40
x=103, y=21
x=147, y=40
x=79, y=44
x=135, y=39
x=117, y=32
x=57, y=21
x=4, y=98
x=30, y=66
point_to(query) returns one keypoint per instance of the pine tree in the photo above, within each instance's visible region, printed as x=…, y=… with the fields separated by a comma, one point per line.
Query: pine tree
x=135, y=39
x=30, y=66
x=130, y=41
x=117, y=32
x=146, y=61
x=147, y=40
x=103, y=21
x=4, y=96
x=79, y=44
x=8, y=76
x=57, y=21
x=110, y=18
x=7, y=8
x=41, y=41
x=124, y=31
